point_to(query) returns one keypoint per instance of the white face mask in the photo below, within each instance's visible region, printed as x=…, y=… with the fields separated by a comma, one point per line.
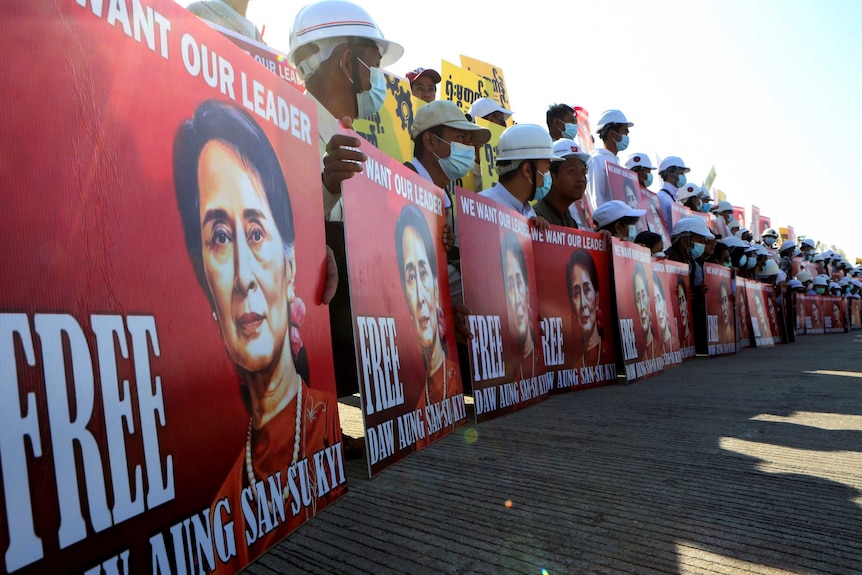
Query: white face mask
x=369, y=101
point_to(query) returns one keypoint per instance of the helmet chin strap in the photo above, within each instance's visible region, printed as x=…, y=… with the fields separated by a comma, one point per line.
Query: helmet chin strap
x=354, y=67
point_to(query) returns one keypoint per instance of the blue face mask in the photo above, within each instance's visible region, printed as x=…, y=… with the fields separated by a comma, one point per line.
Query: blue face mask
x=697, y=250
x=680, y=182
x=648, y=181
x=546, y=186
x=570, y=131
x=369, y=101
x=623, y=143
x=460, y=161
x=705, y=207
x=743, y=260
x=752, y=261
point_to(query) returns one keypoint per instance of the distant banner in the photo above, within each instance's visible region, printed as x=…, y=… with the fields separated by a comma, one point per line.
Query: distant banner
x=710, y=178
x=765, y=223
x=720, y=306
x=755, y=222
x=271, y=59
x=739, y=216
x=575, y=306
x=388, y=129
x=641, y=347
x=833, y=314
x=462, y=87
x=585, y=133
x=493, y=75
x=500, y=288
x=168, y=390
x=624, y=186
x=743, y=318
x=407, y=361
x=673, y=311
x=584, y=213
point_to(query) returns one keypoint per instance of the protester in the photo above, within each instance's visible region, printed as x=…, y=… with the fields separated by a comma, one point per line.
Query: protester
x=769, y=237
x=786, y=254
x=488, y=109
x=672, y=171
x=689, y=196
x=423, y=83
x=724, y=210
x=640, y=164
x=562, y=122
x=524, y=157
x=229, y=14
x=568, y=182
x=613, y=130
x=652, y=241
x=617, y=218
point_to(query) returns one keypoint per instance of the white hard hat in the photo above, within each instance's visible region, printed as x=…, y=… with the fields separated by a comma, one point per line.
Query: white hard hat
x=693, y=225
x=567, y=148
x=639, y=160
x=804, y=276
x=769, y=232
x=770, y=269
x=525, y=142
x=673, y=162
x=329, y=23
x=609, y=117
x=688, y=191
x=820, y=281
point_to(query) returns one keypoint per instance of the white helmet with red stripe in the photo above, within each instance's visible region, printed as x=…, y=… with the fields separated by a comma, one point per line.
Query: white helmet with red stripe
x=330, y=23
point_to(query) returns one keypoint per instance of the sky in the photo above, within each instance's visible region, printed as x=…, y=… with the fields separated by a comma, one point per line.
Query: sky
x=767, y=91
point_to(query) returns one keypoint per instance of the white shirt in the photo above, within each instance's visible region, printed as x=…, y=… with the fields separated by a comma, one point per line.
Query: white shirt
x=666, y=197
x=598, y=188
x=502, y=196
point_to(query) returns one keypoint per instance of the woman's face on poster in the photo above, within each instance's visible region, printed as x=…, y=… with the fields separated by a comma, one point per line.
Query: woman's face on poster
x=682, y=298
x=724, y=302
x=420, y=287
x=585, y=300
x=642, y=302
x=517, y=295
x=246, y=268
x=661, y=311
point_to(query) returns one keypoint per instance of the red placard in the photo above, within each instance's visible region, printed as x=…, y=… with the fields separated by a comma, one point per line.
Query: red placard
x=739, y=216
x=625, y=186
x=163, y=326
x=765, y=323
x=799, y=313
x=407, y=361
x=755, y=222
x=720, y=306
x=814, y=323
x=743, y=317
x=855, y=313
x=639, y=341
x=500, y=288
x=654, y=219
x=834, y=315
x=575, y=305
x=673, y=311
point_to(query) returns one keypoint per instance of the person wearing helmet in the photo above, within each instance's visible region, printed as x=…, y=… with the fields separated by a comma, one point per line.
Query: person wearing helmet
x=613, y=130
x=640, y=164
x=807, y=247
x=804, y=277
x=724, y=210
x=338, y=50
x=820, y=284
x=568, y=183
x=423, y=83
x=524, y=157
x=490, y=110
x=769, y=237
x=788, y=247
x=688, y=245
x=229, y=14
x=672, y=171
x=689, y=196
x=618, y=219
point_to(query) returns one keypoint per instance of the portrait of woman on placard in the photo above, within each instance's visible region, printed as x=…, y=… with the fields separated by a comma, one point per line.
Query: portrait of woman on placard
x=517, y=286
x=666, y=340
x=417, y=266
x=238, y=225
x=686, y=336
x=640, y=284
x=726, y=318
x=582, y=281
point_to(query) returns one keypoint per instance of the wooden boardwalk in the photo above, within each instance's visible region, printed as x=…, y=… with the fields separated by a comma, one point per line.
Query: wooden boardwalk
x=749, y=464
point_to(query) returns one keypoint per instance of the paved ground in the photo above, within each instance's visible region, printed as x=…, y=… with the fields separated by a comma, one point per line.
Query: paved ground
x=748, y=464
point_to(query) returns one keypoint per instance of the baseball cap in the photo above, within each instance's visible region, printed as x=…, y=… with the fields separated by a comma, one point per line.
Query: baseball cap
x=673, y=162
x=446, y=113
x=614, y=210
x=612, y=117
x=692, y=225
x=565, y=147
x=484, y=106
x=639, y=161
x=433, y=74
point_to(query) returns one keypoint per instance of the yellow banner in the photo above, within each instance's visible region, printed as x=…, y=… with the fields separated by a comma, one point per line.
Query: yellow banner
x=488, y=156
x=462, y=86
x=492, y=74
x=389, y=129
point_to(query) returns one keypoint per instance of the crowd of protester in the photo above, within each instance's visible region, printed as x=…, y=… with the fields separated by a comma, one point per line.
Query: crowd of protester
x=544, y=172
